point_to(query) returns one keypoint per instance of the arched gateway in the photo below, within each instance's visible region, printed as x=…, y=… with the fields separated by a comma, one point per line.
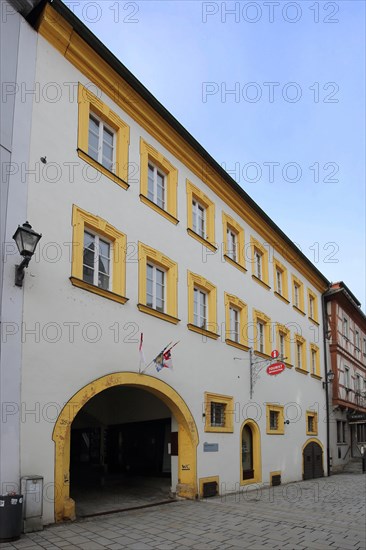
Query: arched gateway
x=187, y=435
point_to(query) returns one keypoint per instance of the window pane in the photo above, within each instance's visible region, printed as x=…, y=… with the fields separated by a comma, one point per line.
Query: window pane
x=150, y=183
x=149, y=285
x=88, y=275
x=160, y=190
x=108, y=137
x=160, y=275
x=88, y=250
x=103, y=281
x=93, y=144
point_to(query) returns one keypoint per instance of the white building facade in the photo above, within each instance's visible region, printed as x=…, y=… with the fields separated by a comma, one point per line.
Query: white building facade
x=144, y=233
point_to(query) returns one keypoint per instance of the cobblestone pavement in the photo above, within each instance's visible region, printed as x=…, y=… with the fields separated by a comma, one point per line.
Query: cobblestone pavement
x=321, y=514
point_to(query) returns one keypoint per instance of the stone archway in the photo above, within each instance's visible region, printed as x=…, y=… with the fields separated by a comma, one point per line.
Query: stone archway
x=187, y=435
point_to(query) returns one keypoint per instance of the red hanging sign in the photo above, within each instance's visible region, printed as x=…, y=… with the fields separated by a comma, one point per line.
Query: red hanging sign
x=275, y=368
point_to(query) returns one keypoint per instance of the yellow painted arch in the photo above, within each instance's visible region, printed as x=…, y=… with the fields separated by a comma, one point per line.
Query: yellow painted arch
x=187, y=434
x=257, y=457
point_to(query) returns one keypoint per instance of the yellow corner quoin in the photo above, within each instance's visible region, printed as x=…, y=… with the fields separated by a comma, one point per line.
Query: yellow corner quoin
x=280, y=424
x=194, y=193
x=82, y=220
x=197, y=281
x=229, y=223
x=256, y=449
x=62, y=36
x=149, y=153
x=149, y=254
x=228, y=416
x=187, y=435
x=89, y=103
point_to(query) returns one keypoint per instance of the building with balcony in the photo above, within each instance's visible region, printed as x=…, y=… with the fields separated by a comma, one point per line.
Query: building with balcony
x=346, y=338
x=145, y=233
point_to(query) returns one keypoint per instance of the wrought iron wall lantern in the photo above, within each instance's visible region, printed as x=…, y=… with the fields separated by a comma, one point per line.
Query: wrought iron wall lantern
x=26, y=240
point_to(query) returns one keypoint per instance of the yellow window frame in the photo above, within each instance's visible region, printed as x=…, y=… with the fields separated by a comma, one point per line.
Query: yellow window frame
x=194, y=192
x=226, y=400
x=197, y=281
x=145, y=254
x=312, y=295
x=280, y=430
x=285, y=332
x=278, y=266
x=234, y=301
x=314, y=416
x=82, y=220
x=314, y=348
x=149, y=153
x=302, y=342
x=88, y=102
x=229, y=223
x=259, y=316
x=296, y=281
x=256, y=246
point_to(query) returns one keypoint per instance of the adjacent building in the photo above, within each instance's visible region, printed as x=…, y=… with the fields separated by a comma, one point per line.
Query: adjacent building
x=346, y=344
x=144, y=233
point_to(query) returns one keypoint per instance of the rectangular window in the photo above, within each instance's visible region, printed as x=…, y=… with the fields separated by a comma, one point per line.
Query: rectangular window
x=311, y=423
x=311, y=307
x=260, y=337
x=297, y=295
x=357, y=340
x=282, y=346
x=234, y=324
x=96, y=261
x=346, y=378
x=103, y=138
x=156, y=188
x=345, y=327
x=358, y=384
x=101, y=142
x=155, y=288
x=158, y=284
x=218, y=413
x=98, y=256
x=200, y=308
x=299, y=355
x=339, y=431
x=313, y=361
x=275, y=419
x=232, y=244
x=258, y=264
x=200, y=216
x=279, y=281
x=158, y=182
x=344, y=432
x=199, y=219
x=364, y=347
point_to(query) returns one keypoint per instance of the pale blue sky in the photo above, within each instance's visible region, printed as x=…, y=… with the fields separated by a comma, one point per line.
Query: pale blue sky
x=175, y=48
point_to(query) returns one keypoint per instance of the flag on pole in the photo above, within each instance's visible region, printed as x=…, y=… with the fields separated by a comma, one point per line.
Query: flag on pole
x=141, y=351
x=164, y=359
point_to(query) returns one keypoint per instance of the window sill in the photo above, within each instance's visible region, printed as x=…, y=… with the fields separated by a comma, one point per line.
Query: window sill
x=314, y=321
x=100, y=291
x=275, y=432
x=218, y=429
x=299, y=310
x=302, y=371
x=316, y=376
x=234, y=263
x=237, y=345
x=262, y=283
x=263, y=355
x=278, y=295
x=201, y=240
x=159, y=210
x=164, y=316
x=311, y=433
x=111, y=175
x=288, y=365
x=203, y=331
